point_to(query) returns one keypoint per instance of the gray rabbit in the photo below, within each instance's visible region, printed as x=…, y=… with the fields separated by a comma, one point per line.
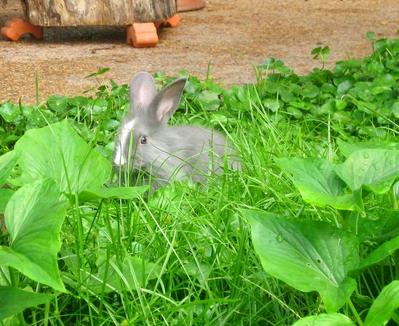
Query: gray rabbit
x=146, y=142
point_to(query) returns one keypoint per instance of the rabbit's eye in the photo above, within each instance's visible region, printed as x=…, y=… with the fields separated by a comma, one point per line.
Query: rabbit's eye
x=143, y=140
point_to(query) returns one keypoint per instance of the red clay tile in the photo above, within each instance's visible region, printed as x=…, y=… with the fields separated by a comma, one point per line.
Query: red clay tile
x=142, y=35
x=186, y=5
x=17, y=27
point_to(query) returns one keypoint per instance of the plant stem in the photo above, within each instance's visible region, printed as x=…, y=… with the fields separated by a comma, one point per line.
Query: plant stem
x=46, y=313
x=396, y=260
x=354, y=311
x=37, y=88
x=21, y=319
x=14, y=282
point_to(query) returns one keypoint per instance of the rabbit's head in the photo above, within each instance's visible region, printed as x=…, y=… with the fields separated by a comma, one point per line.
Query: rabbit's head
x=137, y=144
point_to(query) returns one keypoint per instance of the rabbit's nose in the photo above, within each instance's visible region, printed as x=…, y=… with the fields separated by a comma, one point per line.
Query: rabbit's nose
x=119, y=158
x=119, y=161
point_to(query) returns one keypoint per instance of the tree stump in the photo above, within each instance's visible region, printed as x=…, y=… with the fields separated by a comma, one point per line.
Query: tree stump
x=142, y=17
x=100, y=13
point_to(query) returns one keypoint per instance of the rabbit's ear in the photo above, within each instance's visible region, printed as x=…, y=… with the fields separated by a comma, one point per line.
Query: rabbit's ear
x=142, y=91
x=167, y=100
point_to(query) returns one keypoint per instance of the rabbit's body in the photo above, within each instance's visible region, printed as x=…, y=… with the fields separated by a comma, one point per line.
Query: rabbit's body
x=185, y=151
x=166, y=152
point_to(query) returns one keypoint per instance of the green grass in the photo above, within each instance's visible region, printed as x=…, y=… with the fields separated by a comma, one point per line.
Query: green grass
x=206, y=269
x=210, y=272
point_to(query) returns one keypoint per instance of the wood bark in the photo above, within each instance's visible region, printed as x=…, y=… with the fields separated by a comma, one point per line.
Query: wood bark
x=98, y=12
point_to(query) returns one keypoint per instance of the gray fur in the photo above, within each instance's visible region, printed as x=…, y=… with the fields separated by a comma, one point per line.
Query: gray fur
x=169, y=152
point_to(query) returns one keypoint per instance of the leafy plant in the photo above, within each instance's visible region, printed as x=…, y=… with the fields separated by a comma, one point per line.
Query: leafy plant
x=381, y=311
x=321, y=53
x=383, y=308
x=184, y=255
x=325, y=320
x=315, y=256
x=54, y=163
x=14, y=301
x=33, y=217
x=310, y=256
x=319, y=184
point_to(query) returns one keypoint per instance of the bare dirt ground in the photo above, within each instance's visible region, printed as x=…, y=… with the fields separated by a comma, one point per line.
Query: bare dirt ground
x=232, y=35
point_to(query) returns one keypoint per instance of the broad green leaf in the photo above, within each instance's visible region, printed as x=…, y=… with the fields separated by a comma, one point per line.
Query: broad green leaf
x=33, y=217
x=343, y=117
x=275, y=64
x=57, y=103
x=325, y=52
x=384, y=306
x=295, y=112
x=14, y=301
x=198, y=271
x=318, y=184
x=9, y=112
x=107, y=193
x=376, y=169
x=340, y=104
x=308, y=255
x=325, y=320
x=347, y=148
x=377, y=226
x=131, y=274
x=395, y=110
x=343, y=87
x=326, y=108
x=321, y=53
x=210, y=100
x=361, y=91
x=5, y=195
x=382, y=252
x=395, y=190
x=12, y=321
x=7, y=163
x=59, y=153
x=310, y=91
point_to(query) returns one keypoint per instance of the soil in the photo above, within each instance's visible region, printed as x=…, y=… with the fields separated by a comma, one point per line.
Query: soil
x=230, y=36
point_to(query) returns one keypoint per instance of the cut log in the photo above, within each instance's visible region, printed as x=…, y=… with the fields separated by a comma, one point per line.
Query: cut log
x=98, y=13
